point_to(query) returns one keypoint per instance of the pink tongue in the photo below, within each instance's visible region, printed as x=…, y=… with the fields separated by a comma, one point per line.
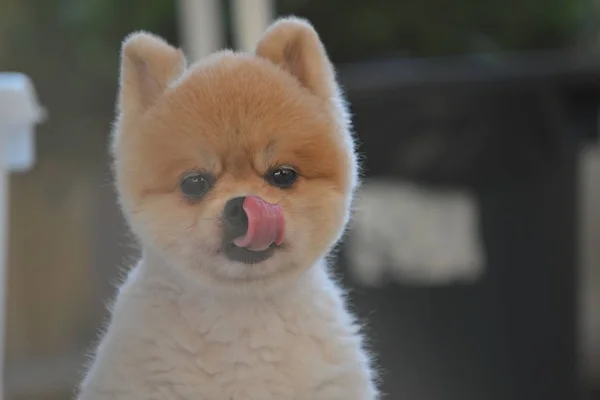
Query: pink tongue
x=265, y=225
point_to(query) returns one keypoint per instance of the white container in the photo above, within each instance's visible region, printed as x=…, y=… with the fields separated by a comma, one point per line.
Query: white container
x=20, y=112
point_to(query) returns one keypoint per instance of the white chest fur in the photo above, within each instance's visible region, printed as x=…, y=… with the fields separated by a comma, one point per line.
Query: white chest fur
x=169, y=342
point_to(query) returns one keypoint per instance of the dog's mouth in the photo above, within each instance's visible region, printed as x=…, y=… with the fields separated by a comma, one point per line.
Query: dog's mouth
x=253, y=229
x=245, y=256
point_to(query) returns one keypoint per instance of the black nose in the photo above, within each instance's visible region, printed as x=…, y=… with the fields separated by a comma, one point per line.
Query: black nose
x=235, y=218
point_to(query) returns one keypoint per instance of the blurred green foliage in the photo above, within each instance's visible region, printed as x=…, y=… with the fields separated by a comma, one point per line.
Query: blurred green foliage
x=90, y=31
x=84, y=36
x=358, y=29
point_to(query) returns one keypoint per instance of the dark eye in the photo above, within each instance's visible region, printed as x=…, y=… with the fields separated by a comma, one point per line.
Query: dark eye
x=195, y=185
x=282, y=177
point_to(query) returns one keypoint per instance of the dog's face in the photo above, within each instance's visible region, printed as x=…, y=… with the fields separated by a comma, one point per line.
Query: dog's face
x=239, y=170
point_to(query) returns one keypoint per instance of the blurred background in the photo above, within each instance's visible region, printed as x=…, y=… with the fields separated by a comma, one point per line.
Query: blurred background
x=474, y=260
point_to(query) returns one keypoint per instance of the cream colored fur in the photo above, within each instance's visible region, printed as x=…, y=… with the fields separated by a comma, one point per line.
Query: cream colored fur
x=167, y=340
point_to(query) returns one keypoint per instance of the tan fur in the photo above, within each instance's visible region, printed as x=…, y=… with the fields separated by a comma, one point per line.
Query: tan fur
x=149, y=64
x=295, y=47
x=235, y=116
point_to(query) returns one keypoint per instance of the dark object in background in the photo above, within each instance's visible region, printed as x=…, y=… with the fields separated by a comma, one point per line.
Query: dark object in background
x=473, y=121
x=509, y=129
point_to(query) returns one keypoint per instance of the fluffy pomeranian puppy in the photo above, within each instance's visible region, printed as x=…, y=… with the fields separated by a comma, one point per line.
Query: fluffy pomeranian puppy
x=237, y=176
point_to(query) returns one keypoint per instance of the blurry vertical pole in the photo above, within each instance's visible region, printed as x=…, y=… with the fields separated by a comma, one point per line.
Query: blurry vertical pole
x=250, y=19
x=19, y=113
x=3, y=250
x=201, y=27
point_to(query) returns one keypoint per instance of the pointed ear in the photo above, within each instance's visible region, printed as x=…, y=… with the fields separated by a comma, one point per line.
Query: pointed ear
x=294, y=45
x=148, y=66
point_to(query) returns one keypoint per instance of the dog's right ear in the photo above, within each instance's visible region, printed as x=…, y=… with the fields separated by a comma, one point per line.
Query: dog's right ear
x=148, y=66
x=294, y=45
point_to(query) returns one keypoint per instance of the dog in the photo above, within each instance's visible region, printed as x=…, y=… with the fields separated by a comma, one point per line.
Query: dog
x=236, y=175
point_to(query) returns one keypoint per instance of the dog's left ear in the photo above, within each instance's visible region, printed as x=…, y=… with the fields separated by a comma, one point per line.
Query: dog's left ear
x=294, y=45
x=148, y=65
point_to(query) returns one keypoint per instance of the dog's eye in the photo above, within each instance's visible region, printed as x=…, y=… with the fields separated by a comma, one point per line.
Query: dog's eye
x=195, y=185
x=282, y=177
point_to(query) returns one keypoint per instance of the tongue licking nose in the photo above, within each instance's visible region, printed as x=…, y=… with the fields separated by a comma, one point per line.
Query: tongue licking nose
x=266, y=225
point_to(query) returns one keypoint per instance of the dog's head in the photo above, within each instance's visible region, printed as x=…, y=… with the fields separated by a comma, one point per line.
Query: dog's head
x=241, y=168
